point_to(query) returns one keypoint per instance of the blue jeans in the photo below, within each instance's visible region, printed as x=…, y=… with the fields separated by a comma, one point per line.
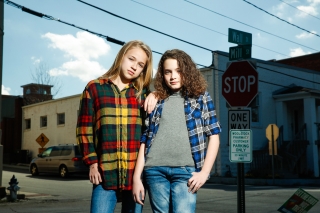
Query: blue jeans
x=168, y=190
x=104, y=201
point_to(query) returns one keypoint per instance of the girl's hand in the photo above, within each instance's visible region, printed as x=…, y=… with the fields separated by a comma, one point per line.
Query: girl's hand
x=150, y=102
x=197, y=180
x=138, y=191
x=94, y=174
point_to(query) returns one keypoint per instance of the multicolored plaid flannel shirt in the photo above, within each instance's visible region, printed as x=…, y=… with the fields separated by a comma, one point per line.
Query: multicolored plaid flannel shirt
x=201, y=122
x=109, y=128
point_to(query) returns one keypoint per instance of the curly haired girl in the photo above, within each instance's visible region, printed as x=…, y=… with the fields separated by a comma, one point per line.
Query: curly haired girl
x=180, y=160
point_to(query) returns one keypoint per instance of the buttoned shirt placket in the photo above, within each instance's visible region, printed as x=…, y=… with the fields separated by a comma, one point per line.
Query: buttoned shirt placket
x=119, y=121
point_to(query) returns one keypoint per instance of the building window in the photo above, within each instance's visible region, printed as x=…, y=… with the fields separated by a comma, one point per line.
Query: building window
x=43, y=121
x=28, y=123
x=60, y=118
x=254, y=105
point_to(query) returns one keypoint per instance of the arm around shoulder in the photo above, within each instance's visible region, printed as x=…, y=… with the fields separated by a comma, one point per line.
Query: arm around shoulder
x=151, y=102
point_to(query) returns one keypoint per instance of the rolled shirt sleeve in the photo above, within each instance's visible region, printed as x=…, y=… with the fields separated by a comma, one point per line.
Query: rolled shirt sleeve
x=85, y=128
x=211, y=124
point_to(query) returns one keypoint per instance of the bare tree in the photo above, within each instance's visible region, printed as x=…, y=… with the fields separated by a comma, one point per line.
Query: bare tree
x=40, y=75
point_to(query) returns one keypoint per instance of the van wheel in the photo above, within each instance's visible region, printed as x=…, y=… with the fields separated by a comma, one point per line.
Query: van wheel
x=63, y=171
x=34, y=170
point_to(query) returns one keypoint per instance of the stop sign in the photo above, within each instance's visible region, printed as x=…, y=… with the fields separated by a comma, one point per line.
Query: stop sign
x=240, y=84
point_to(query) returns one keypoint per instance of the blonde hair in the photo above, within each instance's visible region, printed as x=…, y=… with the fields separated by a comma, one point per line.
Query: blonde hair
x=144, y=79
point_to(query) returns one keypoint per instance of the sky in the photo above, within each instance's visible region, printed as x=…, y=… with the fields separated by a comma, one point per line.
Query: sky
x=74, y=57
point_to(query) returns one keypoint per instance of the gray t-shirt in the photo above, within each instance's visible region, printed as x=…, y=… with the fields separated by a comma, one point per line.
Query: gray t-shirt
x=171, y=146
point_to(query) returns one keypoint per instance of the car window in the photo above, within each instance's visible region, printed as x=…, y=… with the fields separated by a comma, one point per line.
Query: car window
x=46, y=153
x=55, y=151
x=66, y=150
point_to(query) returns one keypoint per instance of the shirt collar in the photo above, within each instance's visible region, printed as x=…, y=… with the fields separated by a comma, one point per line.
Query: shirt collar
x=109, y=81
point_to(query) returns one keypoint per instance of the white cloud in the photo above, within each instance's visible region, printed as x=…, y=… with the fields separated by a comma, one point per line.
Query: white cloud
x=85, y=70
x=307, y=9
x=282, y=11
x=80, y=50
x=305, y=35
x=314, y=2
x=297, y=52
x=5, y=90
x=83, y=46
x=35, y=60
x=280, y=8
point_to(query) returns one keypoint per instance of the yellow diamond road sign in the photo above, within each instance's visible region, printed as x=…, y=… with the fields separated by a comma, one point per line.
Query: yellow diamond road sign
x=42, y=140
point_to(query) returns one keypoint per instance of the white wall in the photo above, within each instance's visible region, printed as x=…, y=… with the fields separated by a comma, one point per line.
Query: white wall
x=57, y=134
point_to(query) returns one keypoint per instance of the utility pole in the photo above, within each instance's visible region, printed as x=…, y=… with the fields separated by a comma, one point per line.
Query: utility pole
x=1, y=59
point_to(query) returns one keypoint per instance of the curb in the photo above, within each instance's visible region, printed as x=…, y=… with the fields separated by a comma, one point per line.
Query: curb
x=266, y=182
x=16, y=166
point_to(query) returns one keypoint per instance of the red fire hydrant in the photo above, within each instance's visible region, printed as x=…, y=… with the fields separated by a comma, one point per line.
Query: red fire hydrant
x=13, y=188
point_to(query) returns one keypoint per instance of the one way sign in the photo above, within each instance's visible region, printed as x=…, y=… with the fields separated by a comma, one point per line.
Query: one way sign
x=239, y=119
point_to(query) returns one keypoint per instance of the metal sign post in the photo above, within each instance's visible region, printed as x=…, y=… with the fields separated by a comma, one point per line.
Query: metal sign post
x=272, y=141
x=239, y=87
x=241, y=190
x=272, y=133
x=241, y=152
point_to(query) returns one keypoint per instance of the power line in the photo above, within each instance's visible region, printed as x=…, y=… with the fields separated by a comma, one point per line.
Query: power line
x=141, y=25
x=278, y=73
x=282, y=19
x=41, y=15
x=299, y=9
x=204, y=26
x=180, y=18
x=289, y=75
x=251, y=27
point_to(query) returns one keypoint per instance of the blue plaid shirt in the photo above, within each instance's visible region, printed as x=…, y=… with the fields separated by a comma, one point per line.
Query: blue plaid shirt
x=201, y=122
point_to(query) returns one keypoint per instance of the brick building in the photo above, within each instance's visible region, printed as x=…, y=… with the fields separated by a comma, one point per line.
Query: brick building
x=11, y=120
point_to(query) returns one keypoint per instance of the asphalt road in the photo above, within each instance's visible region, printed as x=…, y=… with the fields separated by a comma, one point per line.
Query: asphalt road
x=50, y=193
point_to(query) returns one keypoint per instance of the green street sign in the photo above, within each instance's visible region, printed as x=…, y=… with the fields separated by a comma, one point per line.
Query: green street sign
x=239, y=37
x=240, y=52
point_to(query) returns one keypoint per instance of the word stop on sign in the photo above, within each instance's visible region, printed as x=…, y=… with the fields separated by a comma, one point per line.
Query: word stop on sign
x=239, y=83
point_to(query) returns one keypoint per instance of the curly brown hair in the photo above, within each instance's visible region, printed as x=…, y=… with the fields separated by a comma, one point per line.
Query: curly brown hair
x=193, y=83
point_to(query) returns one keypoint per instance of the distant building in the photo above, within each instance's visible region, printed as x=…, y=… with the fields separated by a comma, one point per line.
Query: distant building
x=35, y=93
x=56, y=119
x=310, y=61
x=288, y=97
x=11, y=124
